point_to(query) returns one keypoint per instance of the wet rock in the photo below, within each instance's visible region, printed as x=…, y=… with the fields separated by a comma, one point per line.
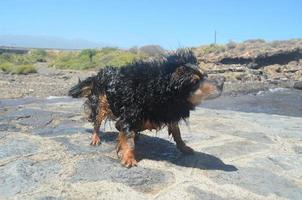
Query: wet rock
x=18, y=102
x=290, y=163
x=49, y=198
x=298, y=85
x=200, y=194
x=17, y=147
x=259, y=181
x=32, y=117
x=232, y=149
x=58, y=131
x=254, y=136
x=81, y=145
x=25, y=175
x=8, y=127
x=298, y=149
x=139, y=178
x=286, y=163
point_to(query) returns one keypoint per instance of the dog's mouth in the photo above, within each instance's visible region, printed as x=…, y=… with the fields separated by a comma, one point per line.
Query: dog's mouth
x=207, y=89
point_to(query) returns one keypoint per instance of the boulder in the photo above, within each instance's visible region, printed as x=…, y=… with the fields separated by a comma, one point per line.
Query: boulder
x=298, y=85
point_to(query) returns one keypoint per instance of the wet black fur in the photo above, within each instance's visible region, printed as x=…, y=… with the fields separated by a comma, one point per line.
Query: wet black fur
x=155, y=90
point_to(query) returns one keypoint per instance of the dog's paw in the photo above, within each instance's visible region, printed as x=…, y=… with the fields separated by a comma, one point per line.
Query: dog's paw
x=129, y=162
x=186, y=149
x=95, y=140
x=127, y=158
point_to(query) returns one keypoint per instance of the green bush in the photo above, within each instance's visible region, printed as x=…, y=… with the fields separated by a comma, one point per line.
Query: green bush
x=71, y=60
x=6, y=66
x=85, y=59
x=17, y=63
x=116, y=58
x=91, y=58
x=38, y=55
x=17, y=69
x=88, y=53
x=24, y=69
x=19, y=59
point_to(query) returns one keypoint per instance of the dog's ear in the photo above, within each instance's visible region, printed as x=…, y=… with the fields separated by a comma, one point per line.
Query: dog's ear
x=177, y=78
x=178, y=72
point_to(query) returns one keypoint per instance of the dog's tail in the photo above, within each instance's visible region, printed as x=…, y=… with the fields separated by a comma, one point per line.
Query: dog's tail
x=83, y=88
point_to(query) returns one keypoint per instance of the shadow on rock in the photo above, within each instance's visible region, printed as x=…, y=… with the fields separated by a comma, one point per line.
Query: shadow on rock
x=155, y=148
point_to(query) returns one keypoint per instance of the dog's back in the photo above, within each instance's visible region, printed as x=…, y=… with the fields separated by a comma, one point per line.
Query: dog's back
x=154, y=90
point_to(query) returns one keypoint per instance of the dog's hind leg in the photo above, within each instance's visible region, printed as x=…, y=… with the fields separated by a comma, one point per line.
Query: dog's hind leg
x=180, y=144
x=102, y=112
x=125, y=149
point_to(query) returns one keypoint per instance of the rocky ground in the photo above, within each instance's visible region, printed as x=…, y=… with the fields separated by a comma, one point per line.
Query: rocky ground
x=45, y=154
x=54, y=82
x=46, y=82
x=255, y=61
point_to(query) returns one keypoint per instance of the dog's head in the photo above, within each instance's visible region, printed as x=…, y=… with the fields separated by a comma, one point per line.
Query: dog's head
x=189, y=78
x=207, y=89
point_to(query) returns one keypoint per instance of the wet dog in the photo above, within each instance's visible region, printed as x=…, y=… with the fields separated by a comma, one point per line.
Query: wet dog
x=146, y=95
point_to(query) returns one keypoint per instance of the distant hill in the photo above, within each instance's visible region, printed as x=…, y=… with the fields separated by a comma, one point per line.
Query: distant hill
x=48, y=42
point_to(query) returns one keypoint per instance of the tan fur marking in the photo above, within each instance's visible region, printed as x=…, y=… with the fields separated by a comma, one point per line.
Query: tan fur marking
x=103, y=113
x=103, y=109
x=207, y=89
x=124, y=150
x=147, y=125
x=202, y=93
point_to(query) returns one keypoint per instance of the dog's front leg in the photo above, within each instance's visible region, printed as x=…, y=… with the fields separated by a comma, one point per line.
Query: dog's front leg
x=180, y=144
x=95, y=139
x=125, y=148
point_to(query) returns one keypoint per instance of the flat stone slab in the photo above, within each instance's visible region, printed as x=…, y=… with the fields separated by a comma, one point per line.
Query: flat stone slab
x=234, y=149
x=260, y=181
x=45, y=154
x=139, y=178
x=17, y=148
x=201, y=194
x=23, y=176
x=31, y=117
x=80, y=145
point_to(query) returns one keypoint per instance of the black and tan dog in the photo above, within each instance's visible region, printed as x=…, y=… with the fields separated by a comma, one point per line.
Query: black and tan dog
x=146, y=95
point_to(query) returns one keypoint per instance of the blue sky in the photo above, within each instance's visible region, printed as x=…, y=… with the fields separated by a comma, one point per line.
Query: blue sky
x=168, y=23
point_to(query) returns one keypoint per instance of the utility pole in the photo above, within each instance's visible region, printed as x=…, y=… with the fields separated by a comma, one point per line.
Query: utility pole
x=215, y=37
